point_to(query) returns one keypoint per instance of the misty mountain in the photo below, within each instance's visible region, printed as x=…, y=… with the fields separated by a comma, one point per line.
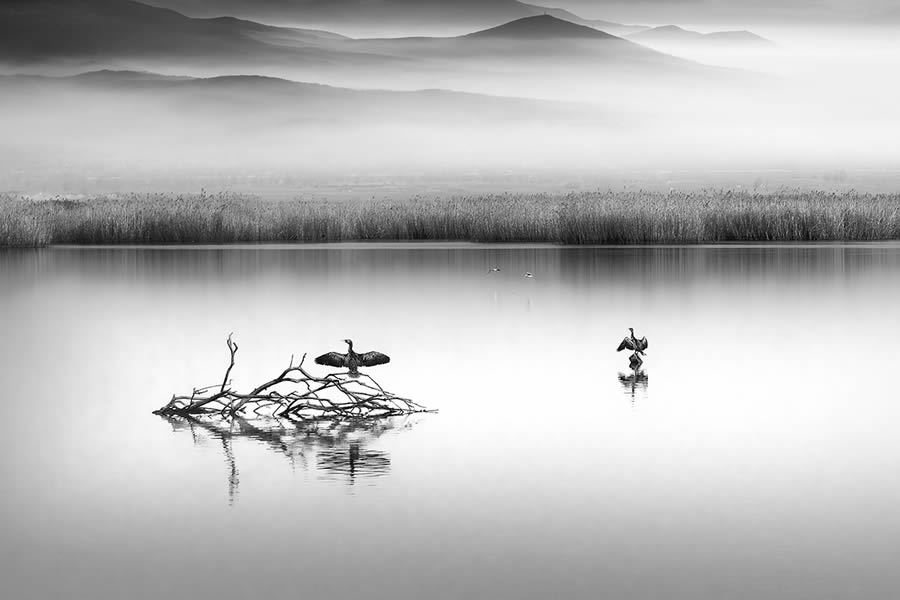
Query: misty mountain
x=135, y=119
x=607, y=26
x=672, y=34
x=35, y=30
x=542, y=27
x=537, y=46
x=513, y=59
x=240, y=99
x=387, y=17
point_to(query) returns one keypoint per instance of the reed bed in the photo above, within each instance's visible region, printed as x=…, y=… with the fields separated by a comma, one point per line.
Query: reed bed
x=579, y=218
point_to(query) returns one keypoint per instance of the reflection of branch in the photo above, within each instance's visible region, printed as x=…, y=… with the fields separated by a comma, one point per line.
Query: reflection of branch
x=637, y=379
x=233, y=478
x=334, y=446
x=331, y=396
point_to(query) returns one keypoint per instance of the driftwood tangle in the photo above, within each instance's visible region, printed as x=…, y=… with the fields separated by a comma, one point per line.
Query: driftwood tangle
x=295, y=394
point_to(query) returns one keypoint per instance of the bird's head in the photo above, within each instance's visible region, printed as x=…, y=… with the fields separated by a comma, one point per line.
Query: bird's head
x=348, y=342
x=631, y=329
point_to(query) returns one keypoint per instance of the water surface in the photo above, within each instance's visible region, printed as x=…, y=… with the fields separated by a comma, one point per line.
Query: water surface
x=756, y=457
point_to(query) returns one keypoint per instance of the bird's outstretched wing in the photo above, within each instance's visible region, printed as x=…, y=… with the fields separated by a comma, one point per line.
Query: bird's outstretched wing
x=644, y=343
x=332, y=359
x=626, y=343
x=370, y=359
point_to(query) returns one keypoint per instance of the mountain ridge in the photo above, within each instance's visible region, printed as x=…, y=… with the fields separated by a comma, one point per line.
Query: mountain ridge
x=421, y=18
x=676, y=34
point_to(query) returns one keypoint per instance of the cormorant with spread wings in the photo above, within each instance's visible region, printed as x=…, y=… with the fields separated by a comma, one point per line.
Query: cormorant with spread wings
x=353, y=360
x=636, y=345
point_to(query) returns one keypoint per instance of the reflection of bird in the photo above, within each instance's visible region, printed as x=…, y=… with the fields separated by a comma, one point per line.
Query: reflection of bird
x=637, y=346
x=635, y=361
x=353, y=462
x=353, y=360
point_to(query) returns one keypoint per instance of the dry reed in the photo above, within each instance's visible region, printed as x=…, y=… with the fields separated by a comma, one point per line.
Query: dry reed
x=707, y=216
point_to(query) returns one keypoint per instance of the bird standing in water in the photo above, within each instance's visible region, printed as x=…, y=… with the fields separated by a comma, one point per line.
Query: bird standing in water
x=637, y=346
x=353, y=360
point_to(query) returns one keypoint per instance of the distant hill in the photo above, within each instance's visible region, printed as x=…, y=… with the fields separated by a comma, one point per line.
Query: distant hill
x=104, y=80
x=388, y=17
x=536, y=45
x=40, y=29
x=124, y=109
x=608, y=26
x=109, y=77
x=132, y=121
x=541, y=27
x=672, y=34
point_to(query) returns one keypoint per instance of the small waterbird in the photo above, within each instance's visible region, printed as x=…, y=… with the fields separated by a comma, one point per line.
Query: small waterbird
x=353, y=360
x=529, y=275
x=637, y=346
x=494, y=270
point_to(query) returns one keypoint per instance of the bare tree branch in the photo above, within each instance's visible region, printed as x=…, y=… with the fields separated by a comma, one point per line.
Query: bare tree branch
x=333, y=396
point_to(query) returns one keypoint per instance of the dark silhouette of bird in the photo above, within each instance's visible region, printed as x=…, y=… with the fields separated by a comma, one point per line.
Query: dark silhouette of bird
x=635, y=362
x=635, y=345
x=353, y=360
x=632, y=343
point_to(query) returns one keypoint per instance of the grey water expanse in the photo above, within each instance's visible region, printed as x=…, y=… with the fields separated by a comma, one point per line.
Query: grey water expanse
x=757, y=460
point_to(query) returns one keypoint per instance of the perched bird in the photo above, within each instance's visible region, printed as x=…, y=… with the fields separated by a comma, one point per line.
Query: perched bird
x=632, y=343
x=353, y=360
x=637, y=346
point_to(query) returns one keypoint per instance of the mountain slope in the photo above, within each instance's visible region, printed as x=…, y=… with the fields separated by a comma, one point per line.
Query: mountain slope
x=541, y=27
x=131, y=120
x=41, y=29
x=608, y=26
x=537, y=45
x=672, y=34
x=272, y=99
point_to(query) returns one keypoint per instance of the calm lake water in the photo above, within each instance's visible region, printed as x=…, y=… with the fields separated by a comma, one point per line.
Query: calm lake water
x=759, y=458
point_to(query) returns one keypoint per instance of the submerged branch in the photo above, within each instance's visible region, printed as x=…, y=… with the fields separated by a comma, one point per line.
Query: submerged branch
x=333, y=396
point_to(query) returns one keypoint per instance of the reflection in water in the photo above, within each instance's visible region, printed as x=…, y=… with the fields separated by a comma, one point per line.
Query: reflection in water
x=337, y=448
x=350, y=463
x=637, y=380
x=572, y=266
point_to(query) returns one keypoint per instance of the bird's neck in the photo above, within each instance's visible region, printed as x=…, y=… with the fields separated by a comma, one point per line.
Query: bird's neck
x=349, y=346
